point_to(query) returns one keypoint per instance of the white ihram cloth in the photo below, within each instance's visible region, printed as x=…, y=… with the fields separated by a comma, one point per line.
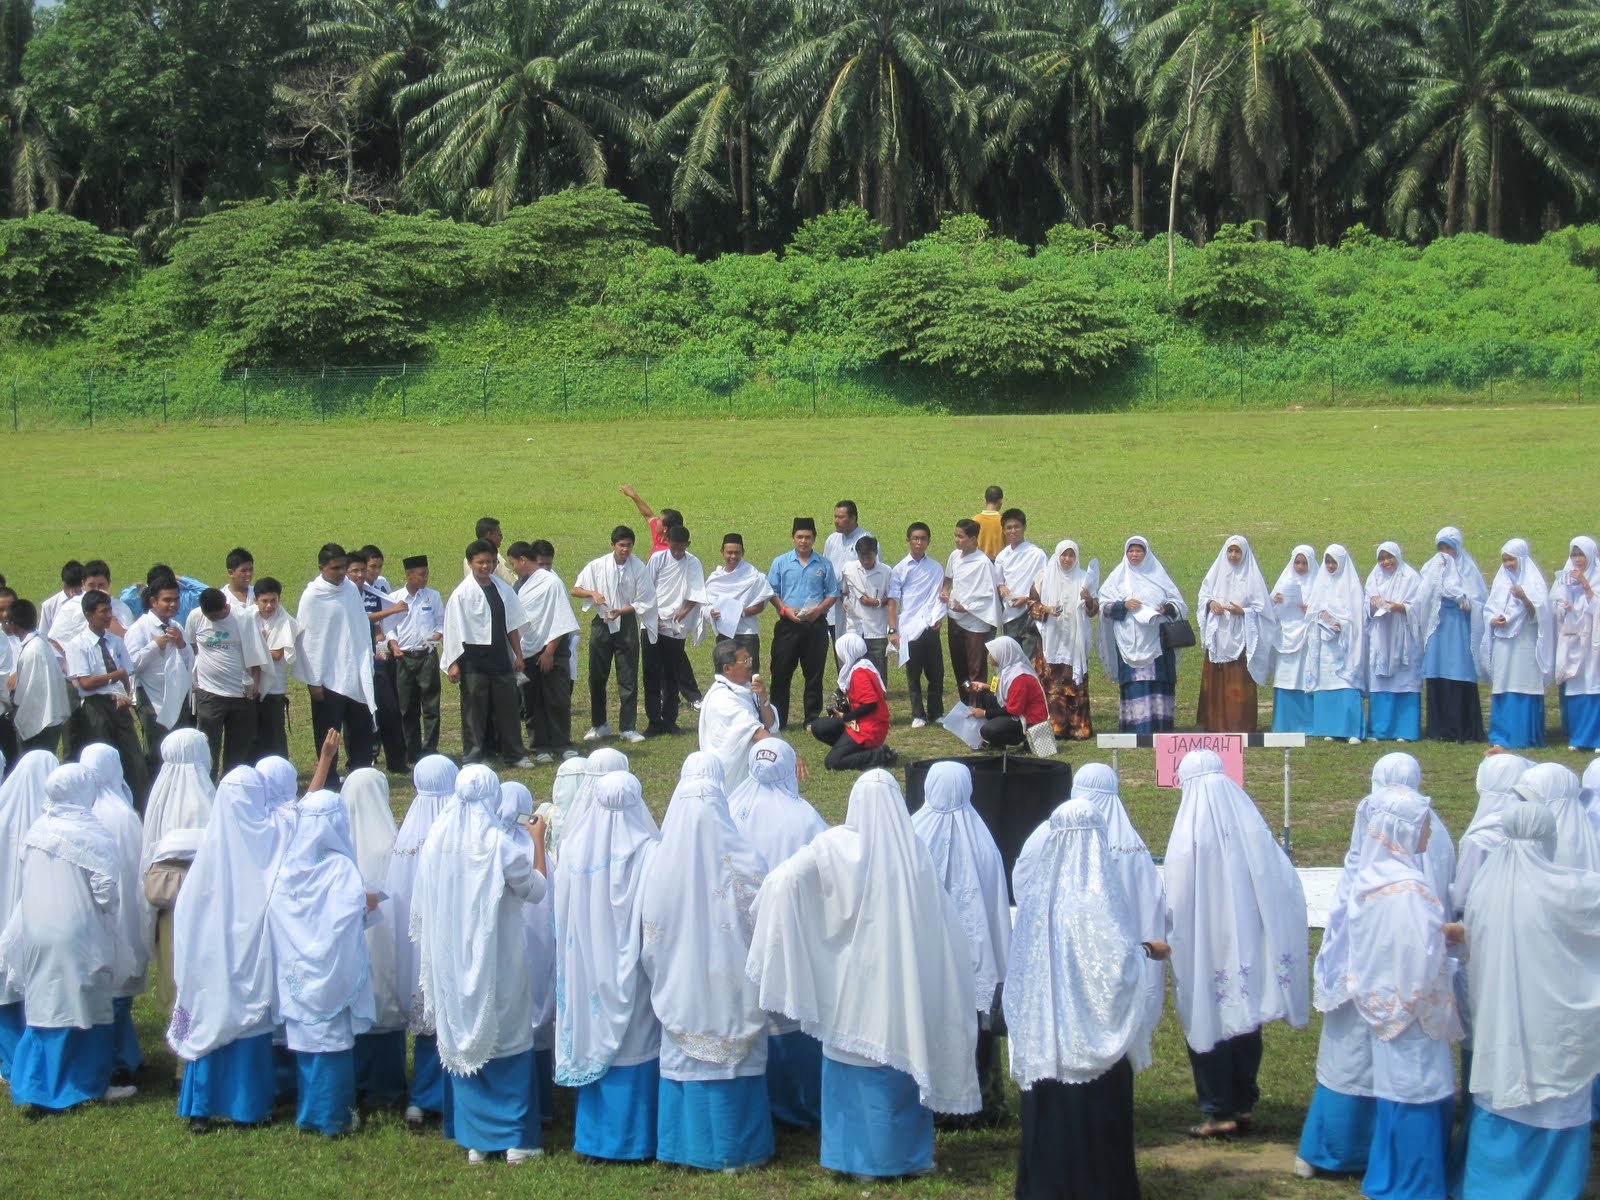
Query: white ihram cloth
x=856, y=939
x=222, y=956
x=729, y=719
x=60, y=946
x=41, y=691
x=468, y=621
x=335, y=650
x=1229, y=635
x=1395, y=640
x=1336, y=599
x=679, y=581
x=1399, y=769
x=695, y=909
x=1576, y=620
x=1066, y=639
x=538, y=963
x=182, y=792
x=1293, y=625
x=1496, y=785
x=767, y=808
x=622, y=585
x=435, y=780
x=1557, y=788
x=1238, y=912
x=603, y=1012
x=1097, y=784
x=1018, y=567
x=1533, y=936
x=1137, y=639
x=467, y=918
x=1075, y=987
x=1518, y=656
x=1452, y=579
x=316, y=915
x=729, y=593
x=372, y=833
x=136, y=924
x=968, y=864
x=974, y=584
x=166, y=674
x=22, y=801
x=548, y=607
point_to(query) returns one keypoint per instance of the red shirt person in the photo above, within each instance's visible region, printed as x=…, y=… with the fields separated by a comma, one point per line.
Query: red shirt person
x=1016, y=703
x=857, y=730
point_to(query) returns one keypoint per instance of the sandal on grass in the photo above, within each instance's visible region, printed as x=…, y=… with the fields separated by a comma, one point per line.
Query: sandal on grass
x=1213, y=1129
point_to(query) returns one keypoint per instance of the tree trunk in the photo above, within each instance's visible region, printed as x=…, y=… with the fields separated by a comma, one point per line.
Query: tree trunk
x=1096, y=171
x=1496, y=185
x=175, y=182
x=1075, y=154
x=1136, y=188
x=1172, y=209
x=747, y=208
x=1452, y=203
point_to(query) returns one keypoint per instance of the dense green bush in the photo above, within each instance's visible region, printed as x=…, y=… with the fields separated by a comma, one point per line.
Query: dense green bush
x=52, y=268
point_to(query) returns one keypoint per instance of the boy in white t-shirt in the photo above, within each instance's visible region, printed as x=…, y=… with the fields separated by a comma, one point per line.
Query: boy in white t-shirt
x=279, y=632
x=228, y=660
x=865, y=586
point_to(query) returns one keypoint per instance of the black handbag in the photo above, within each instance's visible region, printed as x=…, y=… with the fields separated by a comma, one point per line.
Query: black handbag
x=1176, y=634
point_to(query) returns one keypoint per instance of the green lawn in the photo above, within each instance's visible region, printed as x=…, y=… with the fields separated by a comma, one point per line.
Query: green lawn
x=187, y=495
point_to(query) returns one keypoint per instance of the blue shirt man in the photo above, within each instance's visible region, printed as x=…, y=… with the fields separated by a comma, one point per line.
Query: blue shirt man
x=805, y=586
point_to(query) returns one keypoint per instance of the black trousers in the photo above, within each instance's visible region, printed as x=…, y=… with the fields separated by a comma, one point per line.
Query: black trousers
x=802, y=644
x=1225, y=1076
x=1004, y=730
x=751, y=643
x=101, y=719
x=8, y=740
x=847, y=754
x=272, y=726
x=619, y=650
x=667, y=675
x=352, y=718
x=547, y=701
x=969, y=657
x=1020, y=626
x=152, y=730
x=391, y=733
x=416, y=682
x=925, y=661
x=229, y=723
x=48, y=738
x=482, y=696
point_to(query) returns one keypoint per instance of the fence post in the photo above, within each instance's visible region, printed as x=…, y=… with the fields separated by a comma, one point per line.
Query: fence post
x=402, y=390
x=1331, y=357
x=322, y=394
x=163, y=397
x=730, y=387
x=14, y=404
x=91, y=397
x=486, y=390
x=244, y=392
x=563, y=387
x=813, y=385
x=1155, y=371
x=1241, y=376
x=647, y=382
x=1490, y=369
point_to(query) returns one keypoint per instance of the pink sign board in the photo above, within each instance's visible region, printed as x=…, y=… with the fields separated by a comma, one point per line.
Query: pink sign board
x=1171, y=747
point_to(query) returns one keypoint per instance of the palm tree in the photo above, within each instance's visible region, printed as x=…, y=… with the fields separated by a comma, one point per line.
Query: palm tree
x=886, y=93
x=527, y=100
x=34, y=173
x=1475, y=113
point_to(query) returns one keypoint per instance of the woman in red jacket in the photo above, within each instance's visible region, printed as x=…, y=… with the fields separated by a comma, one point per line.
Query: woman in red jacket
x=1017, y=703
x=856, y=726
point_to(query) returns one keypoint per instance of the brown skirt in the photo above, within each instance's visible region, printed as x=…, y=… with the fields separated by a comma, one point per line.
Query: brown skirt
x=1067, y=701
x=1227, y=698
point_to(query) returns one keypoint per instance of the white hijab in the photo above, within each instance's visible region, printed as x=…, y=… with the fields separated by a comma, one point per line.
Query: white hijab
x=1496, y=785
x=1451, y=579
x=1399, y=769
x=1009, y=658
x=1295, y=589
x=1137, y=638
x=856, y=939
x=435, y=781
x=282, y=787
x=1340, y=596
x=968, y=864
x=539, y=918
x=1074, y=999
x=180, y=796
x=1395, y=640
x=1230, y=635
x=557, y=811
x=851, y=651
x=1238, y=912
x=22, y=802
x=222, y=957
x=372, y=833
x=316, y=916
x=767, y=808
x=1533, y=937
x=695, y=905
x=1556, y=787
x=599, y=929
x=135, y=919
x=1577, y=648
x=1501, y=603
x=1066, y=639
x=1399, y=972
x=600, y=763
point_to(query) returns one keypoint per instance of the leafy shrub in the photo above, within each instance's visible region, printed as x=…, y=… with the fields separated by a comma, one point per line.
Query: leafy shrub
x=52, y=269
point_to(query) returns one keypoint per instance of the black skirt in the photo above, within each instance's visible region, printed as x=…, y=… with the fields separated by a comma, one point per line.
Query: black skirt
x=1077, y=1139
x=1455, y=713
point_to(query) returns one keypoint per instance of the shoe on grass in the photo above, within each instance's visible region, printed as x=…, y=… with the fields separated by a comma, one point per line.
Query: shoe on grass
x=596, y=732
x=918, y=723
x=631, y=735
x=518, y=1157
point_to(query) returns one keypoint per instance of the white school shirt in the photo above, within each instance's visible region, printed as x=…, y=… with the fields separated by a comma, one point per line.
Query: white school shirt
x=421, y=626
x=677, y=580
x=224, y=650
x=235, y=606
x=914, y=586
x=84, y=658
x=840, y=550
x=48, y=608
x=41, y=697
x=70, y=621
x=282, y=632
x=9, y=646
x=857, y=581
x=975, y=583
x=164, y=673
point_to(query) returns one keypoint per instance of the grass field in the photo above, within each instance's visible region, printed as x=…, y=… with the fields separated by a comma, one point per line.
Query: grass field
x=187, y=495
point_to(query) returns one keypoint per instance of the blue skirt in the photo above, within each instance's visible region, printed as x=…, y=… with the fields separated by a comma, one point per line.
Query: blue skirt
x=1409, y=1144
x=544, y=1076
x=381, y=1067
x=616, y=1116
x=59, y=1068
x=11, y=1026
x=1581, y=714
x=1336, y=714
x=1516, y=721
x=497, y=1108
x=1291, y=711
x=234, y=1082
x=125, y=1052
x=1392, y=715
x=1507, y=1160
x=794, y=1079
x=1338, y=1131
x=715, y=1124
x=427, y=1076
x=327, y=1092
x=873, y=1122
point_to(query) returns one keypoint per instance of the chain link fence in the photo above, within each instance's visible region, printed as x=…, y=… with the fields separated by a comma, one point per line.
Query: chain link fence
x=1172, y=377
